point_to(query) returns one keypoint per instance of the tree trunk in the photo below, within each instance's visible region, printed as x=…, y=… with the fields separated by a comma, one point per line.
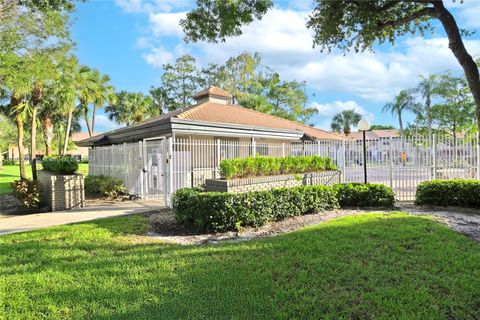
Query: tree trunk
x=36, y=97
x=47, y=128
x=87, y=122
x=400, y=123
x=67, y=132
x=14, y=103
x=428, y=103
x=33, y=143
x=94, y=111
x=457, y=46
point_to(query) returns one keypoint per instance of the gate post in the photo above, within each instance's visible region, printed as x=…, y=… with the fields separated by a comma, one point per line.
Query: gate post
x=434, y=155
x=344, y=162
x=217, y=164
x=390, y=158
x=170, y=160
x=478, y=156
x=125, y=164
x=142, y=172
x=283, y=150
x=254, y=147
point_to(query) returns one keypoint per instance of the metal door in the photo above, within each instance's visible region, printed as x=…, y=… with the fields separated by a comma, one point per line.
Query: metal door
x=155, y=161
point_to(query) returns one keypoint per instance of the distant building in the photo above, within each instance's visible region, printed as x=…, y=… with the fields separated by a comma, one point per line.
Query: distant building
x=79, y=153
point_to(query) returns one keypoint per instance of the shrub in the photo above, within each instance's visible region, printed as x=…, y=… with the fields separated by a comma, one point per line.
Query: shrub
x=463, y=193
x=220, y=211
x=27, y=192
x=103, y=185
x=261, y=166
x=60, y=165
x=364, y=195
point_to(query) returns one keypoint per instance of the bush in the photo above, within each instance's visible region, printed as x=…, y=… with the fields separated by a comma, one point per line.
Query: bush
x=103, y=185
x=264, y=166
x=463, y=193
x=60, y=165
x=364, y=195
x=220, y=211
x=27, y=192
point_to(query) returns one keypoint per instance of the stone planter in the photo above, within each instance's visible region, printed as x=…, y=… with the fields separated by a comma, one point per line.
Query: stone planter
x=272, y=182
x=62, y=192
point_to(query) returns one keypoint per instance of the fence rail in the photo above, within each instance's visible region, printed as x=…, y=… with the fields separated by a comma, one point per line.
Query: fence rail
x=156, y=168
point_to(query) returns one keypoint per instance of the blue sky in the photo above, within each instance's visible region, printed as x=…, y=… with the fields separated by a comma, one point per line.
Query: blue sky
x=131, y=39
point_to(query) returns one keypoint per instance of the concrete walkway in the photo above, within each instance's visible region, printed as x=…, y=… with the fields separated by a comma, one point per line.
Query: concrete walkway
x=13, y=224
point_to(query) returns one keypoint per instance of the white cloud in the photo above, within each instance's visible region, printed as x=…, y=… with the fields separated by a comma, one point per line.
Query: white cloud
x=158, y=57
x=166, y=24
x=286, y=46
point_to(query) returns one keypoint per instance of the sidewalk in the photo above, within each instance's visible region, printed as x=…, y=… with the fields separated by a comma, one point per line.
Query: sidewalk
x=13, y=224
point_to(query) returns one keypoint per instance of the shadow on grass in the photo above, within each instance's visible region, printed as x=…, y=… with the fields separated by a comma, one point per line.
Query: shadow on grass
x=382, y=265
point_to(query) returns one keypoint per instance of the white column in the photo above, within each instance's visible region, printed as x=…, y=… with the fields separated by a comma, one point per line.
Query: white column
x=434, y=156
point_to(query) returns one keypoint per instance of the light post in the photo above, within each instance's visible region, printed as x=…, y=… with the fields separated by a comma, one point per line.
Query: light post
x=363, y=125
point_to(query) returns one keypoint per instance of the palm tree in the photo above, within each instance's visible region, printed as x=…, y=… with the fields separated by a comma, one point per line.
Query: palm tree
x=344, y=120
x=86, y=94
x=130, y=108
x=404, y=101
x=70, y=86
x=427, y=88
x=104, y=94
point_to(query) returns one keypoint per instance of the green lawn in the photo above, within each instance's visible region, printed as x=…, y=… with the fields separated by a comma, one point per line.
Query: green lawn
x=9, y=173
x=382, y=266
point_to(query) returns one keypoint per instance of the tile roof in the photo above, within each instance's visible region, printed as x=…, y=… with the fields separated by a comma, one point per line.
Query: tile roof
x=234, y=114
x=375, y=134
x=213, y=91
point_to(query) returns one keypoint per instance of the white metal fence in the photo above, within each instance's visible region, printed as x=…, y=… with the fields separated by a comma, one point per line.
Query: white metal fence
x=156, y=168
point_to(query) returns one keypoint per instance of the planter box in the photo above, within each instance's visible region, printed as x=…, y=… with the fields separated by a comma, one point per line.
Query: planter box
x=273, y=182
x=61, y=192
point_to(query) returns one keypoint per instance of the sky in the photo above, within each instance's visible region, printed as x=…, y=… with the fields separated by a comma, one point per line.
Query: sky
x=130, y=40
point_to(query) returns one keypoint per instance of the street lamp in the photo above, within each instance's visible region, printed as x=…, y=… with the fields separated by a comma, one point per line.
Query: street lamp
x=363, y=125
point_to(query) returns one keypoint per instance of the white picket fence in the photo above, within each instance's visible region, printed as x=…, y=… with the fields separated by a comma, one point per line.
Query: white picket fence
x=155, y=168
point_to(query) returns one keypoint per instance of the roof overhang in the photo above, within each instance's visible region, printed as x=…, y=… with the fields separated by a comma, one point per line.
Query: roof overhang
x=189, y=127
x=194, y=127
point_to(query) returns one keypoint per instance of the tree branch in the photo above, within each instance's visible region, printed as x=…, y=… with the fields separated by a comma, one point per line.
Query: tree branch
x=427, y=11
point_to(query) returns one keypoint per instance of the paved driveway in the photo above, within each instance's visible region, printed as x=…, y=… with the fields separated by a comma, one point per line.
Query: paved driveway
x=12, y=224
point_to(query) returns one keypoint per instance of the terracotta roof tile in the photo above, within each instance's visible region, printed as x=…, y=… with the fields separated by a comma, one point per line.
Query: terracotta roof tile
x=233, y=114
x=213, y=91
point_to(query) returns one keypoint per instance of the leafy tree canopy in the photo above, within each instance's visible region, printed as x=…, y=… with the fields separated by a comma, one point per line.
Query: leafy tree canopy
x=342, y=24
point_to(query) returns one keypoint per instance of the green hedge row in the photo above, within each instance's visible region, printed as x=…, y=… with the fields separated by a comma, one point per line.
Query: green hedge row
x=60, y=165
x=265, y=166
x=220, y=211
x=463, y=193
x=103, y=185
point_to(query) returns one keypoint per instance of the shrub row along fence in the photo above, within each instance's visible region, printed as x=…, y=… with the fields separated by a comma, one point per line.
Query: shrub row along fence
x=154, y=169
x=221, y=211
x=462, y=193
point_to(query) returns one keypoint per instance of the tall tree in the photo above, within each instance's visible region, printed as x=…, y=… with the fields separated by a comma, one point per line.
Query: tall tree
x=86, y=95
x=458, y=108
x=179, y=82
x=344, y=24
x=130, y=108
x=404, y=101
x=427, y=88
x=104, y=94
x=344, y=121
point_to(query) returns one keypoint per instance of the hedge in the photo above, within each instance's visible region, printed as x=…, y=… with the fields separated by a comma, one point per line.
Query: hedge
x=60, y=165
x=103, y=185
x=364, y=195
x=462, y=193
x=220, y=211
x=265, y=166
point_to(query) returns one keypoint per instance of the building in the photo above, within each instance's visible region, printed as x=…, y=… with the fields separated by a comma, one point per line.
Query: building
x=184, y=147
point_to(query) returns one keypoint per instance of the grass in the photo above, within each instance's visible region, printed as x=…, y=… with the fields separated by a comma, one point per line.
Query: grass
x=9, y=173
x=382, y=266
